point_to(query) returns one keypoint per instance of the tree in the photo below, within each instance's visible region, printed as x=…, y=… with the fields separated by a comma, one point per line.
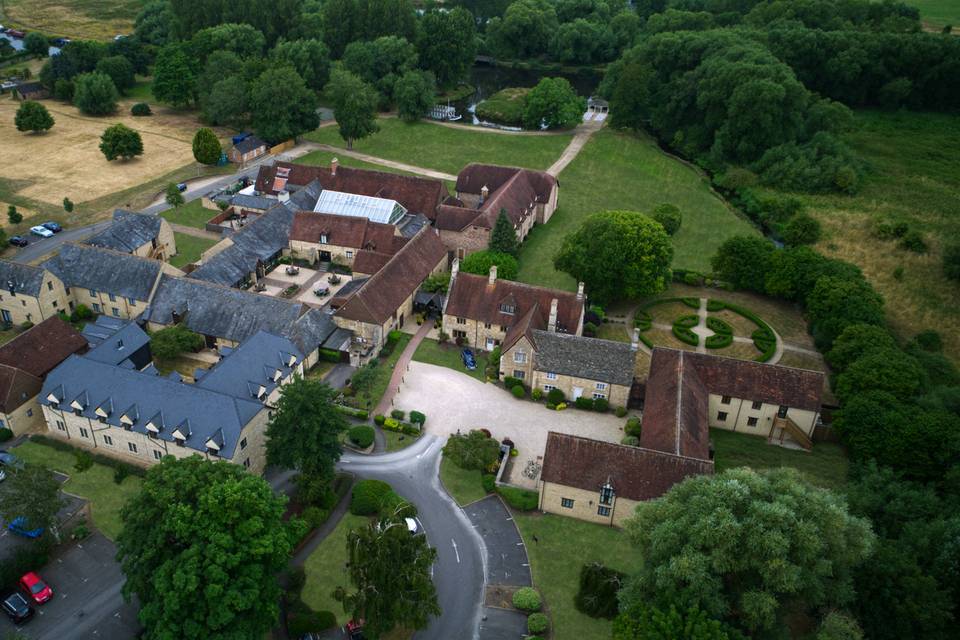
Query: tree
x=215, y=527
x=242, y=39
x=503, y=237
x=447, y=44
x=227, y=102
x=743, y=261
x=481, y=261
x=170, y=342
x=524, y=31
x=839, y=626
x=120, y=71
x=856, y=341
x=951, y=261
x=835, y=304
x=354, y=106
x=617, y=254
x=206, y=147
x=472, y=450
x=793, y=272
x=553, y=103
x=310, y=59
x=37, y=44
x=68, y=205
x=802, y=229
x=381, y=63
x=94, y=94
x=645, y=622
x=174, y=198
x=340, y=24
x=120, y=141
x=415, y=94
x=390, y=572
x=155, y=23
x=14, y=216
x=282, y=106
x=889, y=370
x=30, y=492
x=33, y=117
x=669, y=216
x=805, y=547
x=174, y=76
x=304, y=432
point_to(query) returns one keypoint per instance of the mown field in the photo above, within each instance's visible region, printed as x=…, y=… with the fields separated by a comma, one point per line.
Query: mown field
x=95, y=19
x=938, y=13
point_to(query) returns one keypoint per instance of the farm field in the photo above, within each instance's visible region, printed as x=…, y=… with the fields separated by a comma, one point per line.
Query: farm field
x=94, y=19
x=938, y=13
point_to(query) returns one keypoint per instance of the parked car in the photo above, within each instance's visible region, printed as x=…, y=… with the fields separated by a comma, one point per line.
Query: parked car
x=41, y=231
x=17, y=608
x=7, y=459
x=19, y=525
x=469, y=361
x=19, y=241
x=36, y=588
x=412, y=526
x=181, y=186
x=52, y=226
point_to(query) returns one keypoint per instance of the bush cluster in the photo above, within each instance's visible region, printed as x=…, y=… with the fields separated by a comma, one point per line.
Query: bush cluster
x=489, y=482
x=398, y=414
x=723, y=333
x=630, y=441
x=361, y=435
x=362, y=414
x=518, y=391
x=416, y=417
x=396, y=426
x=473, y=450
x=519, y=499
x=367, y=497
x=632, y=428
x=141, y=109
x=510, y=382
x=537, y=623
x=527, y=599
x=555, y=396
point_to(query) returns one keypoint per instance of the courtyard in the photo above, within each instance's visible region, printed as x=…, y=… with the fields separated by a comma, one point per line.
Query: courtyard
x=302, y=284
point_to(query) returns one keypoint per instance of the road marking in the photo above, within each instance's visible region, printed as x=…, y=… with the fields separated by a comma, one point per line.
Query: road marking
x=455, y=549
x=519, y=544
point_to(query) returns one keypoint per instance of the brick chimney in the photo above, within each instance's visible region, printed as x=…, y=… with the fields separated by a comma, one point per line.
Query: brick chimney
x=493, y=274
x=552, y=322
x=333, y=166
x=579, y=291
x=635, y=340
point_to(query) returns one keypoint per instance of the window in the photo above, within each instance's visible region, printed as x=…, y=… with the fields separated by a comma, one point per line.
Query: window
x=55, y=304
x=132, y=447
x=243, y=444
x=519, y=374
x=49, y=286
x=487, y=325
x=601, y=386
x=520, y=357
x=599, y=396
x=113, y=298
x=101, y=419
x=751, y=422
x=180, y=442
x=157, y=454
x=323, y=238
x=84, y=433
x=246, y=462
x=115, y=311
x=93, y=293
x=131, y=302
x=725, y=400
x=508, y=308
x=566, y=503
x=757, y=405
x=549, y=387
x=722, y=416
x=97, y=308
x=606, y=494
x=78, y=412
x=29, y=317
x=107, y=440
x=349, y=254
x=782, y=411
x=457, y=333
x=61, y=426
x=29, y=413
x=603, y=511
x=461, y=321
x=551, y=376
x=503, y=328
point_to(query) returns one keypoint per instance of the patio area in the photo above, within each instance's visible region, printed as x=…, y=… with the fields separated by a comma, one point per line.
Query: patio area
x=307, y=281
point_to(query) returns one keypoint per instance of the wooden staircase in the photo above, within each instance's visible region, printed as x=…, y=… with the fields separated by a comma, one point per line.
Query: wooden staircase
x=785, y=427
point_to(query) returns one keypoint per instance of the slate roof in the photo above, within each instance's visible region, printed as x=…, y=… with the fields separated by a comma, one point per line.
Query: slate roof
x=258, y=203
x=590, y=358
x=511, y=189
x=128, y=232
x=252, y=366
x=635, y=473
x=119, y=345
x=106, y=270
x=42, y=347
x=312, y=329
x=144, y=396
x=384, y=291
x=305, y=198
x=249, y=144
x=20, y=278
x=16, y=387
x=411, y=224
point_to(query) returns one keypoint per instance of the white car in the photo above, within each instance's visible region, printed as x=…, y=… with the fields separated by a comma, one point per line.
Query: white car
x=41, y=231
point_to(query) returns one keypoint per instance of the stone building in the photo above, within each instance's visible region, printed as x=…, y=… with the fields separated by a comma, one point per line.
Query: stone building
x=139, y=234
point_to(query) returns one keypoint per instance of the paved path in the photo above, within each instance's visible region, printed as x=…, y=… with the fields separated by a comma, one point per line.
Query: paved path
x=580, y=139
x=401, y=166
x=403, y=364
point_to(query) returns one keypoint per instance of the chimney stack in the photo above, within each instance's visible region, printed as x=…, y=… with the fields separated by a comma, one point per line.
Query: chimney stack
x=484, y=192
x=493, y=274
x=552, y=322
x=454, y=269
x=579, y=291
x=635, y=340
x=333, y=166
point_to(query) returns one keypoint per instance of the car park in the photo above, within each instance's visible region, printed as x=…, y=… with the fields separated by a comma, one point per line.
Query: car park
x=19, y=241
x=35, y=587
x=17, y=608
x=469, y=361
x=52, y=226
x=41, y=231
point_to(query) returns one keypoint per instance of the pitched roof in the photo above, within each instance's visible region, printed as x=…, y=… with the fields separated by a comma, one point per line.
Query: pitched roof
x=343, y=231
x=128, y=232
x=253, y=365
x=384, y=291
x=257, y=203
x=634, y=473
x=101, y=269
x=42, y=347
x=471, y=296
x=305, y=198
x=119, y=345
x=20, y=278
x=249, y=144
x=590, y=358
x=16, y=387
x=416, y=194
x=359, y=206
x=511, y=189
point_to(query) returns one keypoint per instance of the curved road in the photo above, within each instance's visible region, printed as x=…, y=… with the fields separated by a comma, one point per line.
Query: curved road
x=459, y=572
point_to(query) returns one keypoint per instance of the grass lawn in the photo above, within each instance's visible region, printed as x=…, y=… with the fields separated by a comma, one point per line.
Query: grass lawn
x=95, y=484
x=141, y=91
x=326, y=568
x=321, y=369
x=613, y=331
x=625, y=171
x=371, y=396
x=505, y=106
x=189, y=249
x=825, y=466
x=432, y=352
x=464, y=485
x=7, y=335
x=449, y=150
x=191, y=214
x=564, y=546
x=397, y=441
x=938, y=13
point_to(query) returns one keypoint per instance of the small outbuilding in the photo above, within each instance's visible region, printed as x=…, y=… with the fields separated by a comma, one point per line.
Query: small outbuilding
x=248, y=149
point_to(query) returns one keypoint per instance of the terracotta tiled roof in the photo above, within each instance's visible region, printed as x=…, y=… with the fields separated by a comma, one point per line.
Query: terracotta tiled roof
x=16, y=387
x=634, y=473
x=383, y=293
x=471, y=296
x=42, y=347
x=418, y=195
x=343, y=231
x=511, y=189
x=474, y=177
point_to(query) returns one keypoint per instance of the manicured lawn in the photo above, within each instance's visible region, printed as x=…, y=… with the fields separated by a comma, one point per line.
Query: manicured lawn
x=449, y=150
x=323, y=158
x=624, y=171
x=95, y=484
x=326, y=568
x=384, y=369
x=189, y=249
x=825, y=466
x=448, y=355
x=191, y=214
x=563, y=546
x=397, y=441
x=938, y=13
x=613, y=331
x=464, y=485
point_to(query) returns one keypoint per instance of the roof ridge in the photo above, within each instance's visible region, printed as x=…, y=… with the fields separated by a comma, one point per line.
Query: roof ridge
x=517, y=283
x=628, y=447
x=91, y=247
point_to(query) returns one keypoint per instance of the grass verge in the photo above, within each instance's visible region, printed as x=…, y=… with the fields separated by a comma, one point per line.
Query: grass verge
x=192, y=214
x=397, y=441
x=464, y=485
x=326, y=568
x=189, y=249
x=825, y=466
x=370, y=397
x=448, y=355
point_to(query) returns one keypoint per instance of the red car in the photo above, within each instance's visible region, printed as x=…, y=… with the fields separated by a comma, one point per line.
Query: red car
x=36, y=588
x=355, y=630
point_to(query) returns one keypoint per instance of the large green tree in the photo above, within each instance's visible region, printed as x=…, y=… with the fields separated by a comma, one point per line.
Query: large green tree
x=524, y=31
x=281, y=105
x=415, y=93
x=836, y=303
x=175, y=76
x=641, y=622
x=503, y=237
x=310, y=59
x=554, y=104
x=447, y=44
x=120, y=71
x=120, y=141
x=381, y=63
x=746, y=547
x=227, y=102
x=390, y=573
x=201, y=546
x=242, y=39
x=33, y=117
x=206, y=147
x=30, y=492
x=37, y=44
x=94, y=94
x=618, y=254
x=354, y=106
x=743, y=261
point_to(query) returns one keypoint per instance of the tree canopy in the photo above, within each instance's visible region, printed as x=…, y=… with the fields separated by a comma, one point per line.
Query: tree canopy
x=33, y=117
x=30, y=492
x=354, y=106
x=447, y=44
x=174, y=76
x=120, y=71
x=503, y=237
x=415, y=93
x=310, y=59
x=120, y=141
x=282, y=106
x=554, y=104
x=94, y=94
x=206, y=147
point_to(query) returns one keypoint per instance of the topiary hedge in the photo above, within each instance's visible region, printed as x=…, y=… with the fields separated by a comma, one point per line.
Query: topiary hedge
x=518, y=391
x=682, y=329
x=361, y=436
x=538, y=623
x=763, y=337
x=723, y=334
x=527, y=599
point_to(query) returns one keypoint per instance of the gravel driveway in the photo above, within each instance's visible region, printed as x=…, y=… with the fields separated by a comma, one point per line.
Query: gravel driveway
x=454, y=402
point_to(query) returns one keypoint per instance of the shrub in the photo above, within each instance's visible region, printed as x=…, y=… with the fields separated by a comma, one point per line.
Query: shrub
x=561, y=406
x=394, y=336
x=802, y=229
x=141, y=109
x=693, y=279
x=898, y=273
x=630, y=441
x=601, y=404
x=315, y=516
x=362, y=414
x=527, y=599
x=669, y=216
x=84, y=460
x=80, y=532
x=551, y=406
x=367, y=497
x=518, y=391
x=397, y=414
x=913, y=241
x=81, y=313
x=538, y=623
x=417, y=418
x=589, y=329
x=555, y=396
x=928, y=340
x=510, y=382
x=951, y=261
x=632, y=428
x=520, y=499
x=379, y=419
x=392, y=424
x=304, y=621
x=682, y=329
x=890, y=229
x=643, y=321
x=597, y=595
x=537, y=394
x=584, y=403
x=361, y=435
x=473, y=450
x=620, y=412
x=5, y=434
x=170, y=342
x=489, y=482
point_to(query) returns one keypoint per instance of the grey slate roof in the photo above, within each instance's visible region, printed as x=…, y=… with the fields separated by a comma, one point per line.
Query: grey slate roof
x=119, y=345
x=260, y=240
x=411, y=224
x=590, y=358
x=312, y=329
x=128, y=232
x=105, y=270
x=259, y=203
x=20, y=278
x=252, y=365
x=248, y=144
x=144, y=397
x=305, y=199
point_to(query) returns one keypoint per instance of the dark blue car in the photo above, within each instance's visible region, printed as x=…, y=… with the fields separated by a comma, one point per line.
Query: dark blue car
x=469, y=361
x=52, y=226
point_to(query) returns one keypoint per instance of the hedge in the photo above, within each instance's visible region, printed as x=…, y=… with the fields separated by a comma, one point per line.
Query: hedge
x=723, y=334
x=681, y=329
x=601, y=404
x=363, y=414
x=555, y=396
x=5, y=434
x=715, y=305
x=379, y=419
x=584, y=403
x=763, y=338
x=400, y=427
x=520, y=499
x=329, y=355
x=527, y=599
x=367, y=497
x=643, y=320
x=630, y=441
x=398, y=414
x=518, y=391
x=361, y=435
x=510, y=382
x=120, y=469
x=489, y=482
x=417, y=417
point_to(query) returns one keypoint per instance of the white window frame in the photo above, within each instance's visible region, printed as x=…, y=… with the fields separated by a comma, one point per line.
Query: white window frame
x=520, y=357
x=551, y=375
x=601, y=386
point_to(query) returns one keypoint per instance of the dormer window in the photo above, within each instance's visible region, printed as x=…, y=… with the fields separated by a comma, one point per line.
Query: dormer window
x=606, y=494
x=323, y=238
x=507, y=308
